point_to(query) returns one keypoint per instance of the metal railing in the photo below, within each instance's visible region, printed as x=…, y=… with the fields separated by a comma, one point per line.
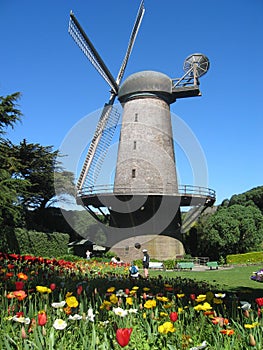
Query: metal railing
x=111, y=189
x=184, y=81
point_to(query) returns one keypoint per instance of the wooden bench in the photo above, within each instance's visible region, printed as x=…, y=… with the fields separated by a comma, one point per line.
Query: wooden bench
x=156, y=265
x=212, y=265
x=185, y=265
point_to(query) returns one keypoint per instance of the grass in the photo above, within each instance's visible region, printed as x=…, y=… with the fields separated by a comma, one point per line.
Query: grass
x=234, y=280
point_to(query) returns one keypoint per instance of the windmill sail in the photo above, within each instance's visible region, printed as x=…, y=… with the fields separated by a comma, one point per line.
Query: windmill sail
x=98, y=147
x=110, y=116
x=133, y=35
x=86, y=46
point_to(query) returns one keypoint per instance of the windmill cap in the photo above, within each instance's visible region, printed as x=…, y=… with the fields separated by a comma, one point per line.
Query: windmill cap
x=144, y=250
x=145, y=82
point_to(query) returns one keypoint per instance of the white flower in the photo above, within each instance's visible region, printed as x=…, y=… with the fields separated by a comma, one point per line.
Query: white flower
x=121, y=293
x=201, y=346
x=120, y=312
x=90, y=315
x=133, y=311
x=245, y=305
x=21, y=319
x=58, y=305
x=60, y=324
x=220, y=295
x=76, y=317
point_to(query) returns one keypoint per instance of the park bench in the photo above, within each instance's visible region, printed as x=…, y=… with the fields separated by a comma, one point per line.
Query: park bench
x=212, y=265
x=185, y=265
x=156, y=265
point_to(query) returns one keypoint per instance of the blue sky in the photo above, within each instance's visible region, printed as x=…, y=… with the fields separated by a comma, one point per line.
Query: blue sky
x=59, y=86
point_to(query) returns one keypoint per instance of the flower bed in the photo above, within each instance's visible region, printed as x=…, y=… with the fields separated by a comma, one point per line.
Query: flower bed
x=257, y=276
x=54, y=304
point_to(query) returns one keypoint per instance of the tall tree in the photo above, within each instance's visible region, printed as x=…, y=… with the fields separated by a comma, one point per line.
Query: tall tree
x=10, y=188
x=39, y=165
x=27, y=171
x=9, y=113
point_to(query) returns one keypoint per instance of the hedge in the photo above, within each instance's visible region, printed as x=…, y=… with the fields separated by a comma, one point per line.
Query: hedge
x=247, y=258
x=22, y=241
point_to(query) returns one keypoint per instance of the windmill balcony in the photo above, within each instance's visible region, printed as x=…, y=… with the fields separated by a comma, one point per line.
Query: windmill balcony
x=189, y=195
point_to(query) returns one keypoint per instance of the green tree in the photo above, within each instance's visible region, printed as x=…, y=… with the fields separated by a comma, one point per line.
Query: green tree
x=254, y=195
x=10, y=188
x=10, y=210
x=39, y=165
x=9, y=113
x=232, y=230
x=27, y=171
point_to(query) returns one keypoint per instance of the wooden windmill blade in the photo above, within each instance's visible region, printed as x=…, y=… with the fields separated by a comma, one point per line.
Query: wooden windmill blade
x=109, y=117
x=86, y=46
x=133, y=35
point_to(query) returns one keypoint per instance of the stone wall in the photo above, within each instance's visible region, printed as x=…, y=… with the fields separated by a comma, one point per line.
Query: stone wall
x=159, y=247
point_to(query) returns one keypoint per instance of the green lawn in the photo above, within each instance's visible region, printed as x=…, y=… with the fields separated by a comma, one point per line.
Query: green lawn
x=235, y=279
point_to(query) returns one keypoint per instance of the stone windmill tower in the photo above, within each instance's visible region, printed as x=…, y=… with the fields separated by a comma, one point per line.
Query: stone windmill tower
x=145, y=197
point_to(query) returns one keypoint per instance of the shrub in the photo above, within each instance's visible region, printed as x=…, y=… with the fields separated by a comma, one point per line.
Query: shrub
x=247, y=258
x=36, y=243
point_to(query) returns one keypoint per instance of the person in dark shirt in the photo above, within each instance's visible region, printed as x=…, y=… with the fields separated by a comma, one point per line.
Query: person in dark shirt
x=145, y=262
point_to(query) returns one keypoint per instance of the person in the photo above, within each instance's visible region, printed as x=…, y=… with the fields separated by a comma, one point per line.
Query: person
x=88, y=254
x=116, y=260
x=133, y=270
x=145, y=262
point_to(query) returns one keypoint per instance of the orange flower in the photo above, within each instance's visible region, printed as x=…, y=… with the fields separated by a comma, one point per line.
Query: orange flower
x=10, y=295
x=67, y=310
x=227, y=331
x=9, y=274
x=20, y=294
x=209, y=313
x=220, y=320
x=22, y=276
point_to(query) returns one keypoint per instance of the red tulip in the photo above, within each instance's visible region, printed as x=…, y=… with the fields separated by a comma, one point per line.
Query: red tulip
x=259, y=301
x=52, y=286
x=192, y=296
x=42, y=318
x=123, y=336
x=127, y=291
x=173, y=316
x=19, y=285
x=79, y=289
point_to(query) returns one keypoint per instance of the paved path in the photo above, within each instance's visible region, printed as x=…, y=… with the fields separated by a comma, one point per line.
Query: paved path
x=205, y=268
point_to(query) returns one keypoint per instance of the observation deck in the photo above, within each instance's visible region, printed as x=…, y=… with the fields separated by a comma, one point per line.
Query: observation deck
x=97, y=198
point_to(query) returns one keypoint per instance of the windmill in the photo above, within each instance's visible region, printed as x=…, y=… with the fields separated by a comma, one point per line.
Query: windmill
x=145, y=196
